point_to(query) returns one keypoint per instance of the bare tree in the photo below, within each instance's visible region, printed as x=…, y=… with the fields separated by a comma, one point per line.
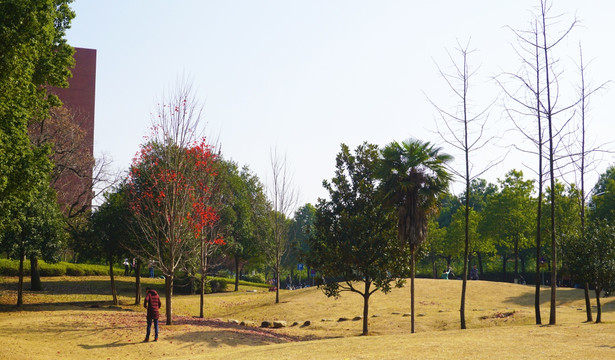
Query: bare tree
x=77, y=177
x=465, y=133
x=537, y=96
x=581, y=155
x=283, y=198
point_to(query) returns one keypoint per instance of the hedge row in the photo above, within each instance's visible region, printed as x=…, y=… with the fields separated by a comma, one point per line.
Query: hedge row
x=11, y=268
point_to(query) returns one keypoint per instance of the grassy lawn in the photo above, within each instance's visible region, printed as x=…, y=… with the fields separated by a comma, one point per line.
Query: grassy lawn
x=73, y=318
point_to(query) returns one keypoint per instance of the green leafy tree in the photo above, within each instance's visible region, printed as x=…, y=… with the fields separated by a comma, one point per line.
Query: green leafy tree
x=593, y=259
x=508, y=219
x=245, y=197
x=602, y=203
x=413, y=176
x=301, y=228
x=37, y=231
x=33, y=55
x=354, y=238
x=111, y=232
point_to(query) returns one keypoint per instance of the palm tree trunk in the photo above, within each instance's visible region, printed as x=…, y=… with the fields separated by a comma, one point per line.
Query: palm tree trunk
x=412, y=275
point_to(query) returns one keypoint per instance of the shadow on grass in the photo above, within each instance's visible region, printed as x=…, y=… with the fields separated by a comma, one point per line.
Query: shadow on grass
x=93, y=305
x=114, y=344
x=220, y=332
x=565, y=297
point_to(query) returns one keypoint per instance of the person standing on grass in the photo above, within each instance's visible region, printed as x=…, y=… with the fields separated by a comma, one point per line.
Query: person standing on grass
x=150, y=266
x=474, y=273
x=152, y=303
x=126, y=267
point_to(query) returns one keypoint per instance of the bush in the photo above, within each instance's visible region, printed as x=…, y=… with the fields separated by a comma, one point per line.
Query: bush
x=217, y=286
x=225, y=274
x=256, y=278
x=58, y=269
x=74, y=270
x=11, y=268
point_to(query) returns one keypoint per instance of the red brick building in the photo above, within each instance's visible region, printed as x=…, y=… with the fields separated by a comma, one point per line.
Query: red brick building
x=75, y=191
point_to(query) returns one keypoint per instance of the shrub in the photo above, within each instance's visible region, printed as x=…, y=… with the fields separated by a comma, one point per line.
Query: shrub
x=58, y=269
x=74, y=270
x=225, y=274
x=217, y=286
x=256, y=278
x=10, y=267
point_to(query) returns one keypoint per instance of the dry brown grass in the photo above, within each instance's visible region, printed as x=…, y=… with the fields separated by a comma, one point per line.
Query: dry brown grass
x=499, y=318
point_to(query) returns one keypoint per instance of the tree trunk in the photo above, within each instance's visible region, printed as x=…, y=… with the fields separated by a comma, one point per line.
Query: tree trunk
x=277, y=281
x=202, y=296
x=366, y=295
x=480, y=263
x=236, y=273
x=588, y=305
x=516, y=251
x=35, y=274
x=598, y=307
x=168, y=282
x=434, y=268
x=412, y=274
x=111, y=275
x=138, y=283
x=504, y=259
x=22, y=257
x=462, y=308
x=203, y=278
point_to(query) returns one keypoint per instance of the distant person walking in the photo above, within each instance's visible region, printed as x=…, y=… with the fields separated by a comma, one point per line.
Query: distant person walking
x=152, y=303
x=474, y=273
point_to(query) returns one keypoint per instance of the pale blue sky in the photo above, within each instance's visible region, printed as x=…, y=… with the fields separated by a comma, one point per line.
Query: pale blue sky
x=305, y=76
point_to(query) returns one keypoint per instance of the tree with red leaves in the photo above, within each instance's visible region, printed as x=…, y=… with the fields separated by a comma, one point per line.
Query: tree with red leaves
x=169, y=190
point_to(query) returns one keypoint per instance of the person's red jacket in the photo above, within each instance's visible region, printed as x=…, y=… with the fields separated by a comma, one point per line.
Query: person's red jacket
x=152, y=303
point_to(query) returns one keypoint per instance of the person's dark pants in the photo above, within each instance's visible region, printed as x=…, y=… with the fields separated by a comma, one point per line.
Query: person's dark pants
x=126, y=270
x=149, y=325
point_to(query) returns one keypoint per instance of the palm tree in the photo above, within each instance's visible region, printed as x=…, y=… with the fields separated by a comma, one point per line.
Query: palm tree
x=413, y=176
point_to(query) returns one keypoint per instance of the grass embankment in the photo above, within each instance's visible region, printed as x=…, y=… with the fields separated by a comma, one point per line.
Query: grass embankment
x=499, y=318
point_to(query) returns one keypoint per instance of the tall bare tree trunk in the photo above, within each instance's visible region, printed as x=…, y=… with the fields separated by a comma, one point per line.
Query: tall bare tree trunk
x=552, y=312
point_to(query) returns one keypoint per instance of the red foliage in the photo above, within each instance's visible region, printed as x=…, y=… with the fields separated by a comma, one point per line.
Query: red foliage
x=158, y=183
